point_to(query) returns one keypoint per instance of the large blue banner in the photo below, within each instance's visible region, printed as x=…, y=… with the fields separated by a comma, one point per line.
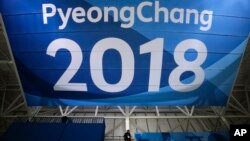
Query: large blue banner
x=127, y=52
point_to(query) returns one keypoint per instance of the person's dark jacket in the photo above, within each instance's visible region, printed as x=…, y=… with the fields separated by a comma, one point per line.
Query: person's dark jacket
x=127, y=136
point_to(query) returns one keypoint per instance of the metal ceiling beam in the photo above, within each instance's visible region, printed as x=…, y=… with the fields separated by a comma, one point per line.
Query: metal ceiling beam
x=96, y=110
x=157, y=111
x=12, y=59
x=183, y=110
x=70, y=111
x=248, y=102
x=6, y=62
x=3, y=101
x=122, y=111
x=132, y=110
x=238, y=109
x=61, y=110
x=13, y=103
x=14, y=108
x=239, y=104
x=191, y=111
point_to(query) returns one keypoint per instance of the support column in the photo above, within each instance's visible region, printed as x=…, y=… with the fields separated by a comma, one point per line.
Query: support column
x=127, y=123
x=127, y=117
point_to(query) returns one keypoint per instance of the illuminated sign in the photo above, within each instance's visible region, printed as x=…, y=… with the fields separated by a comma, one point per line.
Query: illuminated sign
x=133, y=52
